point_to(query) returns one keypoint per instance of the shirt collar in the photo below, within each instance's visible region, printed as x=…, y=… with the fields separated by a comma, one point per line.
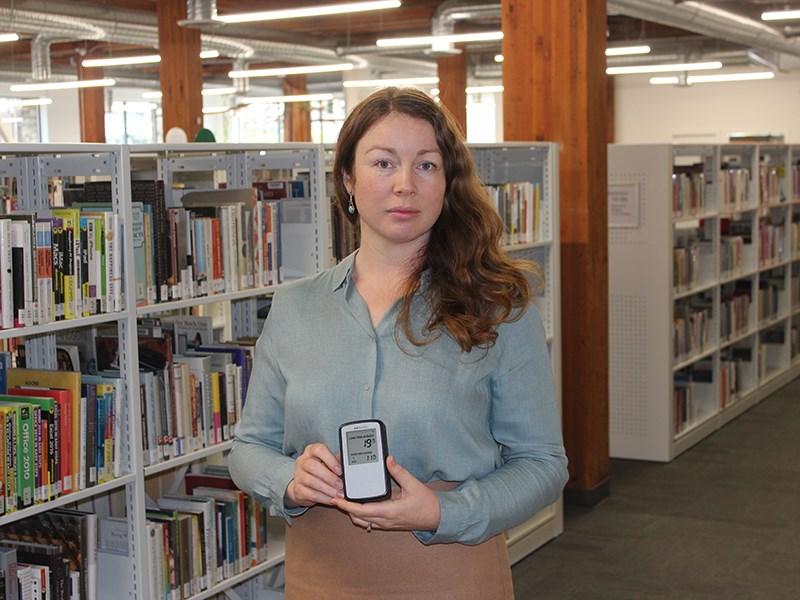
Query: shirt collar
x=342, y=272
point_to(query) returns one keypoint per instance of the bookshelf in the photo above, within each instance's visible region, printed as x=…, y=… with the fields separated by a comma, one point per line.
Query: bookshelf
x=702, y=268
x=307, y=248
x=498, y=166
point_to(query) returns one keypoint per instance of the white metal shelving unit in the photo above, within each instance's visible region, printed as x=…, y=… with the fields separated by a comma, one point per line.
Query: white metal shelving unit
x=742, y=248
x=535, y=162
x=207, y=165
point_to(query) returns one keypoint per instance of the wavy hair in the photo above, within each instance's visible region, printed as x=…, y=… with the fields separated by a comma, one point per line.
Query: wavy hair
x=474, y=286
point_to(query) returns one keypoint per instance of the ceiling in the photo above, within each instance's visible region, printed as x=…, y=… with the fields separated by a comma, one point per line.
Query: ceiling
x=130, y=27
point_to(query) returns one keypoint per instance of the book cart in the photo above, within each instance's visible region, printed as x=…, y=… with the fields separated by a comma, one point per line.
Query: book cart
x=703, y=273
x=127, y=570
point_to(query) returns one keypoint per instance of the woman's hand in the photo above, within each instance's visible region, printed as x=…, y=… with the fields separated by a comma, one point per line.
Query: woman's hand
x=317, y=478
x=413, y=506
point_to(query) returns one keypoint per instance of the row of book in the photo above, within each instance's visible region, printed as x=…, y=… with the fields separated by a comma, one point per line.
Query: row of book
x=691, y=387
x=211, y=532
x=191, y=389
x=63, y=266
x=519, y=206
x=735, y=181
x=794, y=294
x=732, y=254
x=771, y=242
x=686, y=263
x=769, y=185
x=50, y=556
x=691, y=328
x=730, y=381
x=60, y=432
x=206, y=242
x=735, y=314
x=688, y=191
x=795, y=239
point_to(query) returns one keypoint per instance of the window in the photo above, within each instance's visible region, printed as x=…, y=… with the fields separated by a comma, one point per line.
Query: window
x=20, y=123
x=133, y=123
x=327, y=118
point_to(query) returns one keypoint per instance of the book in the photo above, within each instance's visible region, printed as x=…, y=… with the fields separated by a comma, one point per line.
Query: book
x=8, y=564
x=54, y=380
x=51, y=555
x=26, y=462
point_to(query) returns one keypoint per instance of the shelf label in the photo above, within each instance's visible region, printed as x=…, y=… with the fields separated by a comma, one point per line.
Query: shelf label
x=623, y=204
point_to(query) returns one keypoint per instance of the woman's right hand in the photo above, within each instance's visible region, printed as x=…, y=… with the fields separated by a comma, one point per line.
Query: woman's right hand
x=317, y=478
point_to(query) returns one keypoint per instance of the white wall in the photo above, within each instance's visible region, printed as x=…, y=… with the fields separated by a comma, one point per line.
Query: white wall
x=705, y=112
x=63, y=117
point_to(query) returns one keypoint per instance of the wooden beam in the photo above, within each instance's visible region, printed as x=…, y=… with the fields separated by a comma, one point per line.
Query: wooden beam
x=296, y=115
x=92, y=107
x=556, y=90
x=180, y=70
x=453, y=86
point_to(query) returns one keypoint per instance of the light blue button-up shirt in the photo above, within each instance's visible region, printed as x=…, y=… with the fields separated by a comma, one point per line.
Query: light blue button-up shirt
x=487, y=418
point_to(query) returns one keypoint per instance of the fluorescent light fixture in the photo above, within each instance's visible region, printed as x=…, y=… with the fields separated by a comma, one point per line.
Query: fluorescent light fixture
x=627, y=50
x=210, y=110
x=780, y=15
x=361, y=83
x=209, y=54
x=295, y=98
x=485, y=89
x=663, y=68
x=720, y=77
x=152, y=95
x=8, y=37
x=311, y=11
x=279, y=72
x=498, y=58
x=62, y=85
x=428, y=40
x=121, y=60
x=30, y=102
x=12, y=120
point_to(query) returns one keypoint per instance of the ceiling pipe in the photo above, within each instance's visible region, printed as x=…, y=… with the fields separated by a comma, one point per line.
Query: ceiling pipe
x=40, y=57
x=707, y=20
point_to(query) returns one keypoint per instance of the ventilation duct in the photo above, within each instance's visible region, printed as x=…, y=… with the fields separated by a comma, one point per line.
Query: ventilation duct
x=708, y=21
x=201, y=14
x=40, y=57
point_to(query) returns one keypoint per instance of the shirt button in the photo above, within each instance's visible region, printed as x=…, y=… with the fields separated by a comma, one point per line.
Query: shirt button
x=366, y=387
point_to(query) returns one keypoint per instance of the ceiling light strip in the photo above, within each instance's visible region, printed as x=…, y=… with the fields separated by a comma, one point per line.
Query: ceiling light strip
x=311, y=11
x=295, y=98
x=627, y=50
x=716, y=78
x=62, y=85
x=279, y=72
x=8, y=37
x=121, y=60
x=780, y=15
x=362, y=83
x=427, y=40
x=634, y=69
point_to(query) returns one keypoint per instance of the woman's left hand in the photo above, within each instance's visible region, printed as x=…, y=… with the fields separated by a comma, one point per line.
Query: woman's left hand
x=412, y=507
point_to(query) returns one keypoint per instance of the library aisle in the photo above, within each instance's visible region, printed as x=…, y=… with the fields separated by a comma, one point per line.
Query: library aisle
x=720, y=521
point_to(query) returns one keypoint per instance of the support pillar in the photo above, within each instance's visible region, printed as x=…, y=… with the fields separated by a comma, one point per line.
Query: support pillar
x=92, y=107
x=556, y=90
x=296, y=115
x=453, y=86
x=181, y=71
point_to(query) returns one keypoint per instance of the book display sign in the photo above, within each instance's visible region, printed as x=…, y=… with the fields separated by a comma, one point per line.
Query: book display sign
x=623, y=204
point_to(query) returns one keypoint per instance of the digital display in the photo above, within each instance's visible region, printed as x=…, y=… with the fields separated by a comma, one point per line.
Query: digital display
x=362, y=446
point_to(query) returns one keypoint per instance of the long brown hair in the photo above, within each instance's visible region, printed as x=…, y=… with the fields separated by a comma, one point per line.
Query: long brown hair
x=474, y=286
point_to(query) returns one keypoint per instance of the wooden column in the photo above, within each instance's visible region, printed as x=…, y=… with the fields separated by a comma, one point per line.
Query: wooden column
x=556, y=90
x=180, y=70
x=296, y=115
x=92, y=107
x=453, y=86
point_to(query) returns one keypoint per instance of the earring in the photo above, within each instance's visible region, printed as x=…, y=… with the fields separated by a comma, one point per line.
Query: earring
x=351, y=206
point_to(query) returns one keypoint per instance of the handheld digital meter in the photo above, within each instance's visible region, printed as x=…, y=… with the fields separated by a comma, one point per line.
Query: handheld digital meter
x=363, y=450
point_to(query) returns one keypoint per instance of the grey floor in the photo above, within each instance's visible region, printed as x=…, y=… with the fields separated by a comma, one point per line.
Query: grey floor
x=720, y=521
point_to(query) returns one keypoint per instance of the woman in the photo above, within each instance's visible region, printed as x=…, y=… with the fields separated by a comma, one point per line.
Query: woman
x=428, y=327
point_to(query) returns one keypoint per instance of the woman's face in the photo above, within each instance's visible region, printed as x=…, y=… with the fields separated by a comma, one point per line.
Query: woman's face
x=398, y=182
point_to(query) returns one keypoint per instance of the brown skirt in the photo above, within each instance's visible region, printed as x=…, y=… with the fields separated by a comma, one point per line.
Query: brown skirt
x=327, y=557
